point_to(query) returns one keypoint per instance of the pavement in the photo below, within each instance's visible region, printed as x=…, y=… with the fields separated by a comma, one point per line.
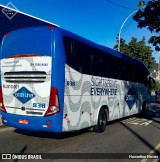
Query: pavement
x=155, y=107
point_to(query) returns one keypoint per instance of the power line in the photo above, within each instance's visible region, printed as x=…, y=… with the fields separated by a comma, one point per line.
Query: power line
x=155, y=53
x=120, y=5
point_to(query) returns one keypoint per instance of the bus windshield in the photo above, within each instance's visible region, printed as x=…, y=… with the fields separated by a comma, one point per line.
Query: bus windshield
x=30, y=41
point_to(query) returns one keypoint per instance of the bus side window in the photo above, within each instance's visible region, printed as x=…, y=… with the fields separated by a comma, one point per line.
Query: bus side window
x=129, y=71
x=73, y=54
x=114, y=67
x=123, y=70
x=78, y=55
x=86, y=59
x=99, y=67
x=133, y=72
x=83, y=59
x=69, y=51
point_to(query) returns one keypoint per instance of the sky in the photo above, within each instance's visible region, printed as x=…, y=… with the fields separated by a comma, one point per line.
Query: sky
x=97, y=20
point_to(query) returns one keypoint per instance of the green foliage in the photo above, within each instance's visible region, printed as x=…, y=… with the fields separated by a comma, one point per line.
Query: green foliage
x=149, y=16
x=138, y=50
x=155, y=86
x=154, y=67
x=141, y=3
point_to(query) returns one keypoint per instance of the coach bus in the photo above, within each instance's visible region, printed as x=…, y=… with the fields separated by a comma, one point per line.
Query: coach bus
x=54, y=80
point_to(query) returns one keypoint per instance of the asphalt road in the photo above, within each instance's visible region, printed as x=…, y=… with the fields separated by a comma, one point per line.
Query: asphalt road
x=122, y=138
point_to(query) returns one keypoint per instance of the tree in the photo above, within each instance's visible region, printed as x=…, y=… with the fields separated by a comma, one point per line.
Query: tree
x=155, y=86
x=149, y=16
x=137, y=49
x=124, y=46
x=154, y=67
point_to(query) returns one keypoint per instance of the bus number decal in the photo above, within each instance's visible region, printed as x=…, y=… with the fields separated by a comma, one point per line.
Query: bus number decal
x=71, y=83
x=39, y=105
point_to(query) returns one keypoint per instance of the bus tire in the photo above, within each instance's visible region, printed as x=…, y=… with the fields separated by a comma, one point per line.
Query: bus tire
x=102, y=121
x=143, y=108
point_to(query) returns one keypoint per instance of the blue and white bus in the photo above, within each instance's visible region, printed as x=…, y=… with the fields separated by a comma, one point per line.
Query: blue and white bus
x=54, y=80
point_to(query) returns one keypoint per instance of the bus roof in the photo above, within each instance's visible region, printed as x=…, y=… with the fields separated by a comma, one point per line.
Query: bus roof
x=13, y=19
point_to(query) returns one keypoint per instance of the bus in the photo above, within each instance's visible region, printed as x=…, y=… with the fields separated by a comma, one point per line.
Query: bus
x=54, y=80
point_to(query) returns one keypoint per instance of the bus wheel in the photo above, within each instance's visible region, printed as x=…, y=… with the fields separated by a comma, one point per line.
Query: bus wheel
x=143, y=108
x=102, y=121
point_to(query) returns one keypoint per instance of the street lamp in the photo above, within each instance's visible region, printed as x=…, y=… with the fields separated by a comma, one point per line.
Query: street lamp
x=119, y=35
x=153, y=74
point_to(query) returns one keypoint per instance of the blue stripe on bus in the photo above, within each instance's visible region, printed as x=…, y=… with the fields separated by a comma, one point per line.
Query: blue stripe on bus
x=58, y=75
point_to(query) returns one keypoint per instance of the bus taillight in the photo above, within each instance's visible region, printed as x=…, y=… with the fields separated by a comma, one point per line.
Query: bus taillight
x=54, y=106
x=1, y=101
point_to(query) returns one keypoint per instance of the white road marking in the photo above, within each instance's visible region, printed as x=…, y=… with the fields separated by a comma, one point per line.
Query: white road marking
x=137, y=121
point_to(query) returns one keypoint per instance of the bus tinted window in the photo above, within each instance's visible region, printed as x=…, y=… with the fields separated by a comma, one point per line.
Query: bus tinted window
x=98, y=63
x=114, y=67
x=92, y=61
x=77, y=55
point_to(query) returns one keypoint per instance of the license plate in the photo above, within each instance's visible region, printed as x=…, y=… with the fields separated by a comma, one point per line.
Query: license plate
x=23, y=121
